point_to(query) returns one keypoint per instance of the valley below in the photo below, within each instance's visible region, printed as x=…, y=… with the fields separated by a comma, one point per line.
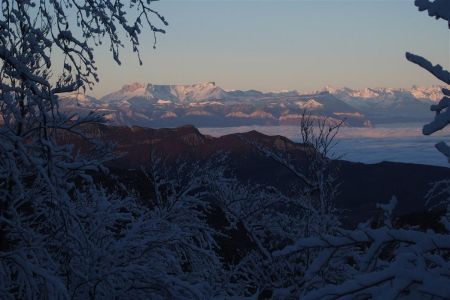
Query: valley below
x=379, y=151
x=394, y=142
x=360, y=186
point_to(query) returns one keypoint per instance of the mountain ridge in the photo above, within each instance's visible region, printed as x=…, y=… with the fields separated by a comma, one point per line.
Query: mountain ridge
x=136, y=145
x=208, y=105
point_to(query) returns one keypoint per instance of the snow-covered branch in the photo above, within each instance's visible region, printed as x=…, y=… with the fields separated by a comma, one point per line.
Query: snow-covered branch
x=440, y=9
x=436, y=70
x=410, y=263
x=61, y=235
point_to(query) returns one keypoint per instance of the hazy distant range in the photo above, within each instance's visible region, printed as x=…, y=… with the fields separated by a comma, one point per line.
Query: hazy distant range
x=380, y=123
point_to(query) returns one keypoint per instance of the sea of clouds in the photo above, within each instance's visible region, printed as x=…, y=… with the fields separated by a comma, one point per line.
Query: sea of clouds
x=386, y=142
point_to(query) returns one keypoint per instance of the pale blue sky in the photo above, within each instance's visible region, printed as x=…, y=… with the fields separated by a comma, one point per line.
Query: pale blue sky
x=280, y=44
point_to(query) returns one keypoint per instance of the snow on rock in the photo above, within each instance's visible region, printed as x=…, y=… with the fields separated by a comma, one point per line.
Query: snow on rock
x=198, y=113
x=433, y=93
x=169, y=115
x=201, y=91
x=125, y=93
x=383, y=105
x=427, y=94
x=310, y=104
x=174, y=93
x=238, y=114
x=77, y=99
x=163, y=102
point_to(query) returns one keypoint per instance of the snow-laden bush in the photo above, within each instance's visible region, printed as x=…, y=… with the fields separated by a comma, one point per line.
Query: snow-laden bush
x=61, y=235
x=376, y=263
x=104, y=247
x=269, y=220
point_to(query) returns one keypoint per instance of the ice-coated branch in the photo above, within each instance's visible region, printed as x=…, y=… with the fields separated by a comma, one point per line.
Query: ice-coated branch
x=440, y=9
x=390, y=283
x=423, y=241
x=412, y=265
x=436, y=70
x=446, y=92
x=443, y=104
x=441, y=119
x=444, y=149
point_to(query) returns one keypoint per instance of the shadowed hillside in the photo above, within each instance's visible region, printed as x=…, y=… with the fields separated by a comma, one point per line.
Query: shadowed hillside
x=361, y=186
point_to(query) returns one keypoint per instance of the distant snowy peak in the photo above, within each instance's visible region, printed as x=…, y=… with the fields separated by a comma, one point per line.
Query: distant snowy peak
x=369, y=93
x=127, y=92
x=310, y=104
x=209, y=91
x=185, y=93
x=366, y=93
x=201, y=91
x=77, y=99
x=257, y=94
x=432, y=93
x=174, y=93
x=285, y=93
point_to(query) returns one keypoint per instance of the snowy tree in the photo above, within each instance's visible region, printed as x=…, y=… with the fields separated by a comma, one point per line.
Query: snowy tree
x=269, y=219
x=47, y=48
x=375, y=263
x=440, y=9
x=314, y=168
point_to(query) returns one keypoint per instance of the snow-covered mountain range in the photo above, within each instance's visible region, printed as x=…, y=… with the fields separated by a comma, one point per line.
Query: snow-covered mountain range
x=386, y=105
x=208, y=105
x=173, y=93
